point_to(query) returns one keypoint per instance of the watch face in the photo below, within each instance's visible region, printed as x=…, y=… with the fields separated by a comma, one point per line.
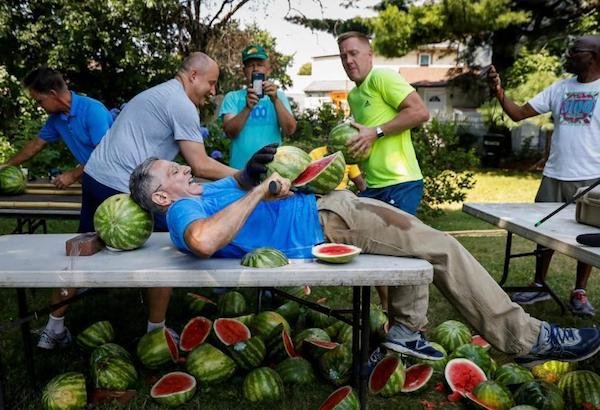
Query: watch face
x=379, y=132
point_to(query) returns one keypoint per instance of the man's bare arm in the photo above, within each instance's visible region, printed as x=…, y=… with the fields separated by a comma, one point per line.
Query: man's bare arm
x=202, y=165
x=206, y=236
x=29, y=150
x=514, y=111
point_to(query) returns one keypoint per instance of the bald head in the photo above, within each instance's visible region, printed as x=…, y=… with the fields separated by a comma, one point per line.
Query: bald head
x=592, y=41
x=196, y=61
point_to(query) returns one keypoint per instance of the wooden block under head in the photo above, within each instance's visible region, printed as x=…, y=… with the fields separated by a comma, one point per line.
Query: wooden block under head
x=84, y=244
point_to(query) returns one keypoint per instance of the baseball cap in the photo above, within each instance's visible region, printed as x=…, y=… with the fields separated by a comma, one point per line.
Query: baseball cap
x=254, y=51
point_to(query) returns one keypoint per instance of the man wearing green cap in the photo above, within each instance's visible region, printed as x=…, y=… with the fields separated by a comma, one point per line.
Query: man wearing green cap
x=253, y=121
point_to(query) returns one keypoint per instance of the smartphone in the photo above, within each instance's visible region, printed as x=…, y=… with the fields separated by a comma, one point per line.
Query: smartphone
x=257, y=80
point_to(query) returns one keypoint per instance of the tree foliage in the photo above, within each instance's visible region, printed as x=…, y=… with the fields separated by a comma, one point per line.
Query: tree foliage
x=305, y=69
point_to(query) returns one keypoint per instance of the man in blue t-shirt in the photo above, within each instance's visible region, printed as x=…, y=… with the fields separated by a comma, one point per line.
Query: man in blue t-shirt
x=252, y=122
x=79, y=121
x=229, y=217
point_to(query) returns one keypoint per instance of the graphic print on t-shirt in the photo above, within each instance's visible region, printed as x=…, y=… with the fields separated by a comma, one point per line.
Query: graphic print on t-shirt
x=577, y=108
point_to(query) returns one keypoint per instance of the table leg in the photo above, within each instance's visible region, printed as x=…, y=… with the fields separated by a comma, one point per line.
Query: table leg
x=365, y=334
x=2, y=406
x=507, y=256
x=356, y=336
x=26, y=335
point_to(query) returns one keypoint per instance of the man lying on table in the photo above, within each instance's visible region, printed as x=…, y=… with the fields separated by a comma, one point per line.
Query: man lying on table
x=234, y=215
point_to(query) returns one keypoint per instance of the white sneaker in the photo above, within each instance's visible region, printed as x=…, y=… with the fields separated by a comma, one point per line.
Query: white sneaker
x=50, y=340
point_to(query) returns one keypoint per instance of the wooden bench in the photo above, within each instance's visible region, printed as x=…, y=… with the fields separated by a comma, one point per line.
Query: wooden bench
x=39, y=261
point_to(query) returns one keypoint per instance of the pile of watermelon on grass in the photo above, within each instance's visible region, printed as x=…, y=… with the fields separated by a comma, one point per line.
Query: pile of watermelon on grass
x=343, y=398
x=335, y=252
x=122, y=224
x=157, y=348
x=12, y=180
x=194, y=333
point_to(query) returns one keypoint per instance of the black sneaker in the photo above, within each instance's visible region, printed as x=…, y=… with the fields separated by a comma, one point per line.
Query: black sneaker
x=567, y=344
x=411, y=343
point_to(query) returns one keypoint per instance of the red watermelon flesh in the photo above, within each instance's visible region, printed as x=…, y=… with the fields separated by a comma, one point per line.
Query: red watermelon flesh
x=172, y=383
x=172, y=346
x=336, y=398
x=480, y=341
x=463, y=375
x=288, y=344
x=194, y=333
x=231, y=331
x=382, y=373
x=324, y=344
x=334, y=249
x=416, y=377
x=313, y=170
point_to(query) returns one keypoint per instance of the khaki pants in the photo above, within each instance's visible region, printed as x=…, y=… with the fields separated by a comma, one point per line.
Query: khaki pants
x=381, y=229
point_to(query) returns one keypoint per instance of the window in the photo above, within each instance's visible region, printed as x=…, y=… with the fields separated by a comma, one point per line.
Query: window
x=424, y=59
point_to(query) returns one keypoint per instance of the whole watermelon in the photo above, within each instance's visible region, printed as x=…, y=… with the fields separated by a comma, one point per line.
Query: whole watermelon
x=248, y=354
x=209, y=365
x=296, y=370
x=540, y=394
x=110, y=350
x=65, y=392
x=552, y=370
x=122, y=224
x=336, y=365
x=580, y=389
x=96, y=335
x=263, y=384
x=494, y=395
x=289, y=162
x=12, y=180
x=113, y=373
x=339, y=137
x=512, y=375
x=451, y=334
x=265, y=257
x=264, y=324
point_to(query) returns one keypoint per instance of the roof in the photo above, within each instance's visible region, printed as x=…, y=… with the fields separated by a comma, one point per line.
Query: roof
x=430, y=76
x=329, y=85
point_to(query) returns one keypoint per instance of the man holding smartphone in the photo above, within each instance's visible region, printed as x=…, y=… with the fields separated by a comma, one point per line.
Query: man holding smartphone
x=258, y=115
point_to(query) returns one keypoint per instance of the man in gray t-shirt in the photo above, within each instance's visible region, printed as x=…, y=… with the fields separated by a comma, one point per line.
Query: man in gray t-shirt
x=161, y=121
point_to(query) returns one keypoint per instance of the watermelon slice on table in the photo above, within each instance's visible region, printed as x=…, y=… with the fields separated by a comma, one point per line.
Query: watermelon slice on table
x=174, y=389
x=194, y=333
x=231, y=331
x=335, y=252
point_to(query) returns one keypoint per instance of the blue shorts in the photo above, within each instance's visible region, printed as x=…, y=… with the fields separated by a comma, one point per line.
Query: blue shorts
x=93, y=193
x=405, y=196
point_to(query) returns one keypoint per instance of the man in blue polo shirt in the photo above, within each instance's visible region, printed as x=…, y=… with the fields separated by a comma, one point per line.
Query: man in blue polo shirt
x=79, y=121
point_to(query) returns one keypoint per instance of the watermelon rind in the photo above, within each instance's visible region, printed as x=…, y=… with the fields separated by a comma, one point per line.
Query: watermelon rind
x=339, y=137
x=264, y=324
x=540, y=394
x=493, y=395
x=289, y=162
x=416, y=377
x=231, y=303
x=451, y=334
x=209, y=365
x=122, y=224
x=230, y=331
x=343, y=398
x=263, y=384
x=580, y=389
x=552, y=370
x=110, y=350
x=96, y=335
x=113, y=373
x=12, y=180
x=437, y=365
x=177, y=397
x=323, y=175
x=280, y=346
x=265, y=257
x=248, y=354
x=197, y=303
x=463, y=375
x=387, y=378
x=156, y=348
x=512, y=375
x=477, y=355
x=65, y=392
x=194, y=333
x=319, y=252
x=289, y=310
x=296, y=370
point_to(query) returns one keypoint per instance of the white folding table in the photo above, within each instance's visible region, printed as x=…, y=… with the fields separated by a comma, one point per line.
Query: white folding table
x=39, y=261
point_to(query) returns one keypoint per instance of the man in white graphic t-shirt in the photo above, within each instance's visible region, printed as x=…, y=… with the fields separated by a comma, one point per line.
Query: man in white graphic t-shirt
x=574, y=159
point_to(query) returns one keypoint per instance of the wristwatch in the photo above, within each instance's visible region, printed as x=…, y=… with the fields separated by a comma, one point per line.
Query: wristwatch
x=379, y=132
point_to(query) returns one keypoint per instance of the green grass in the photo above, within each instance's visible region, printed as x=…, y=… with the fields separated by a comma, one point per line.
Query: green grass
x=124, y=309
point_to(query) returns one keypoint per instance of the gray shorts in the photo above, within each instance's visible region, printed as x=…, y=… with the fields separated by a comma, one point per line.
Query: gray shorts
x=555, y=190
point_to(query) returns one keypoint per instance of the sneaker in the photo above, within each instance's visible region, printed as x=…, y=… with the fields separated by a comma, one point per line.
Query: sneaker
x=580, y=305
x=50, y=340
x=403, y=340
x=377, y=356
x=529, y=298
x=567, y=344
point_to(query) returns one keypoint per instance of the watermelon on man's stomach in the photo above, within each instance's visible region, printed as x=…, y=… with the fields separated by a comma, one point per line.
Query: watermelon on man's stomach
x=322, y=175
x=122, y=224
x=289, y=162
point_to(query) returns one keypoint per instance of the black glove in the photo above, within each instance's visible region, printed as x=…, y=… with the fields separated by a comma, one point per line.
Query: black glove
x=257, y=165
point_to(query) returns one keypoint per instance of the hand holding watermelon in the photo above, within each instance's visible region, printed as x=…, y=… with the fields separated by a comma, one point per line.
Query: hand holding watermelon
x=257, y=166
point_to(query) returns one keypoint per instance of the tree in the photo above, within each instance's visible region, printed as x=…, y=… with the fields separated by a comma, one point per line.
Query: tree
x=305, y=69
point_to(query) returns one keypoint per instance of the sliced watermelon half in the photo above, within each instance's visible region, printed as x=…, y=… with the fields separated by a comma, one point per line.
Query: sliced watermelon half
x=342, y=398
x=194, y=333
x=335, y=252
x=323, y=344
x=288, y=343
x=382, y=373
x=174, y=389
x=478, y=340
x=231, y=331
x=313, y=170
x=417, y=376
x=463, y=375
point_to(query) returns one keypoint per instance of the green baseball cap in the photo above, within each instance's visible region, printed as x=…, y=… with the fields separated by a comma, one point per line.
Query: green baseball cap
x=254, y=51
